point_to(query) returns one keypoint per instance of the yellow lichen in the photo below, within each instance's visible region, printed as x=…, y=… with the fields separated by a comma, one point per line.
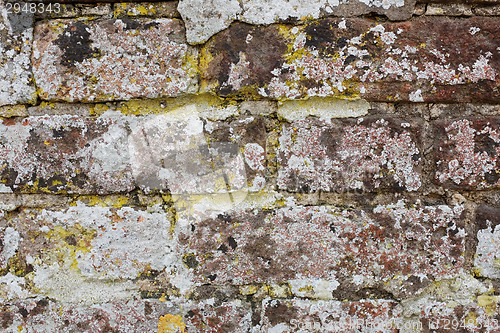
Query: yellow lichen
x=489, y=303
x=171, y=324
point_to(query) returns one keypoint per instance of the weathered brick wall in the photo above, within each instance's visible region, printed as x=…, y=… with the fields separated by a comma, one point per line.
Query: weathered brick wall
x=250, y=166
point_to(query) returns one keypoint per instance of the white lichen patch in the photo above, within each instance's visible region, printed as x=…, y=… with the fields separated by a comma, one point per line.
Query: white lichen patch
x=323, y=108
x=172, y=151
x=126, y=243
x=334, y=73
x=487, y=258
x=16, y=82
x=103, y=159
x=10, y=241
x=314, y=288
x=361, y=156
x=467, y=165
x=62, y=283
x=151, y=62
x=206, y=18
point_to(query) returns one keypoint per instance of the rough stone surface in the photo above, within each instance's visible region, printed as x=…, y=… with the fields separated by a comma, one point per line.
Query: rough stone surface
x=65, y=154
x=487, y=10
x=100, y=60
x=206, y=18
x=440, y=317
x=43, y=315
x=449, y=9
x=487, y=258
x=16, y=37
x=370, y=154
x=297, y=315
x=150, y=9
x=467, y=153
x=427, y=59
x=70, y=255
x=312, y=166
x=365, y=247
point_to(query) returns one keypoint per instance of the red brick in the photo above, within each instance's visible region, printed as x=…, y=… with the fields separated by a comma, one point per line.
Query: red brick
x=231, y=316
x=327, y=243
x=299, y=315
x=439, y=317
x=42, y=315
x=370, y=155
x=65, y=154
x=102, y=60
x=487, y=258
x=16, y=38
x=468, y=153
x=423, y=60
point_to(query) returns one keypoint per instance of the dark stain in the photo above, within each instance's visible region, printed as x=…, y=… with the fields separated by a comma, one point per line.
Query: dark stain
x=131, y=24
x=487, y=213
x=350, y=59
x=492, y=176
x=280, y=313
x=40, y=307
x=484, y=143
x=23, y=312
x=190, y=260
x=6, y=318
x=223, y=248
x=74, y=41
x=71, y=240
x=322, y=37
x=224, y=217
x=264, y=52
x=341, y=42
x=58, y=133
x=8, y=176
x=232, y=242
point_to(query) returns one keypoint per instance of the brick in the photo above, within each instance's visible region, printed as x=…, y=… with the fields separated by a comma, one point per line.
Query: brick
x=172, y=151
x=99, y=9
x=58, y=10
x=16, y=37
x=230, y=316
x=43, y=315
x=368, y=155
x=99, y=237
x=206, y=18
x=150, y=9
x=298, y=315
x=361, y=247
x=440, y=317
x=449, y=9
x=468, y=153
x=102, y=60
x=429, y=59
x=487, y=259
x=487, y=10
x=65, y=154
x=71, y=254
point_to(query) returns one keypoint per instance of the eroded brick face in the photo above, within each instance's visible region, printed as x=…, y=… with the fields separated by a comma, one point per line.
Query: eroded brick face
x=368, y=155
x=87, y=60
x=298, y=315
x=487, y=259
x=327, y=243
x=425, y=59
x=468, y=153
x=16, y=37
x=65, y=154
